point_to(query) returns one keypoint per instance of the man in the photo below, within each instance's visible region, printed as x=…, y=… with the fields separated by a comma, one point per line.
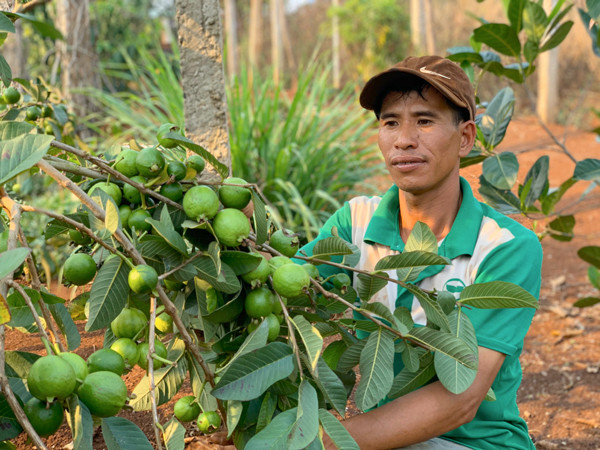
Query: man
x=425, y=108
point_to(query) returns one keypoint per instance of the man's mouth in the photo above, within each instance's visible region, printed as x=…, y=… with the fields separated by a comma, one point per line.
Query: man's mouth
x=406, y=162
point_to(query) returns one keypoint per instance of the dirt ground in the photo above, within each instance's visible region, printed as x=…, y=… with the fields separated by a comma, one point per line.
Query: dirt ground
x=560, y=394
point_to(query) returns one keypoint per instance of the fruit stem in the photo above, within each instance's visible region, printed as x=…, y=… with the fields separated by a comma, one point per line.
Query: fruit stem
x=157, y=357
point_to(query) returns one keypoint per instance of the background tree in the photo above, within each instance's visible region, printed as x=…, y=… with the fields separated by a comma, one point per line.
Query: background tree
x=200, y=40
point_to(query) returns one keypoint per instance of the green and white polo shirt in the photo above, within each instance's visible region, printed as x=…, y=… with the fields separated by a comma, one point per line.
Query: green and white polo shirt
x=484, y=245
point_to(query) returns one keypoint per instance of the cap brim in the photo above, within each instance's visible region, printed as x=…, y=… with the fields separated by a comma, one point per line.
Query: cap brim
x=376, y=88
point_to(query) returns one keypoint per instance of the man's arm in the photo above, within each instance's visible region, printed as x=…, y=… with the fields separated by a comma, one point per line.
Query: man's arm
x=425, y=413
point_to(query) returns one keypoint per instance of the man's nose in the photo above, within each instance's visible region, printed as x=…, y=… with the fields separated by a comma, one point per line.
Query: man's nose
x=406, y=136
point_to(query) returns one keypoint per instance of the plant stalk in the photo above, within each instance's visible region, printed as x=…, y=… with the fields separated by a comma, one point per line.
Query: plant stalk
x=151, y=337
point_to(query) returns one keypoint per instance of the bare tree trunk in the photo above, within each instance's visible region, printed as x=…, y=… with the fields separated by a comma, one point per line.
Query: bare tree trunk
x=79, y=64
x=547, y=81
x=205, y=104
x=255, y=36
x=285, y=37
x=429, y=33
x=416, y=25
x=231, y=41
x=335, y=46
x=276, y=47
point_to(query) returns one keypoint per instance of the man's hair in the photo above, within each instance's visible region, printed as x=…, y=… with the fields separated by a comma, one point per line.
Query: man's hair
x=416, y=84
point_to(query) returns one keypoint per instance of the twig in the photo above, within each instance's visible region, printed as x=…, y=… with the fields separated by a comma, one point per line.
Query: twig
x=129, y=249
x=114, y=173
x=68, y=166
x=12, y=400
x=151, y=336
x=27, y=299
x=291, y=332
x=181, y=266
x=25, y=7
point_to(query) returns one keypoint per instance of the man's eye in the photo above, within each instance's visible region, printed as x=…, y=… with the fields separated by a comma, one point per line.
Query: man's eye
x=424, y=122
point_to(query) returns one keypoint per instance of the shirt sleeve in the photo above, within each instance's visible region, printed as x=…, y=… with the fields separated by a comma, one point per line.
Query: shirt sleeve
x=518, y=261
x=341, y=220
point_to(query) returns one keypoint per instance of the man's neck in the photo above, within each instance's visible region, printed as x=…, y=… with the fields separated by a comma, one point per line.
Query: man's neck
x=436, y=210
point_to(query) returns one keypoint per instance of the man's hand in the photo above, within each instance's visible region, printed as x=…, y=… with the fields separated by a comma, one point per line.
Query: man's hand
x=423, y=414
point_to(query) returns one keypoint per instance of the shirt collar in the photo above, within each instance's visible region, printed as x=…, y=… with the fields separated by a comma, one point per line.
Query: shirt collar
x=384, y=229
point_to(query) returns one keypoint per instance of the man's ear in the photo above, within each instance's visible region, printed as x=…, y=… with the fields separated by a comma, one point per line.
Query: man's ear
x=468, y=131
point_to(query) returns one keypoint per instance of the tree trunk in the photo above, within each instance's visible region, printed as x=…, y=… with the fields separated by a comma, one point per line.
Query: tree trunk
x=255, y=36
x=285, y=38
x=276, y=47
x=335, y=46
x=429, y=33
x=547, y=81
x=231, y=41
x=205, y=104
x=79, y=64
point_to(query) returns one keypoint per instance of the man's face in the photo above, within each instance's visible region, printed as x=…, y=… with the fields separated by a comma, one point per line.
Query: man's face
x=420, y=141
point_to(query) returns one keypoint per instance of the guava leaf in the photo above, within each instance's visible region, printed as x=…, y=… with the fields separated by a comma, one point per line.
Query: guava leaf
x=440, y=341
x=21, y=153
x=9, y=425
x=515, y=14
x=44, y=28
x=267, y=408
x=66, y=325
x=120, y=433
x=492, y=124
x=501, y=170
x=165, y=229
x=6, y=25
x=351, y=357
x=538, y=174
x=379, y=309
x=234, y=414
x=368, y=286
x=306, y=427
x=502, y=200
x=11, y=129
x=561, y=228
x=5, y=72
x=376, y=369
x=587, y=169
x=4, y=311
x=251, y=375
x=241, y=262
x=497, y=294
x=168, y=379
x=20, y=311
x=104, y=229
x=221, y=168
x=336, y=431
x=586, y=302
x=201, y=390
x=410, y=357
x=56, y=227
x=331, y=386
x=255, y=340
x=11, y=260
x=174, y=435
x=407, y=381
x=17, y=366
x=313, y=342
x=454, y=376
x=275, y=435
x=433, y=310
x=590, y=254
x=81, y=423
x=331, y=246
x=550, y=200
x=421, y=238
x=415, y=259
x=556, y=36
x=207, y=271
x=500, y=37
x=108, y=295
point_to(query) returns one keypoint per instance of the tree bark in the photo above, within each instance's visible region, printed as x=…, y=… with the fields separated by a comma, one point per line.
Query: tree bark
x=231, y=41
x=255, y=36
x=15, y=52
x=547, y=80
x=335, y=46
x=276, y=47
x=205, y=104
x=79, y=64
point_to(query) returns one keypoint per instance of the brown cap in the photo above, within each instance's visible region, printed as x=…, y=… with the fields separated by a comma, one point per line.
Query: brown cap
x=443, y=74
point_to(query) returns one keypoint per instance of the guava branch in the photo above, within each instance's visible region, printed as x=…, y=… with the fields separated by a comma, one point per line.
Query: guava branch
x=75, y=169
x=292, y=333
x=114, y=173
x=12, y=400
x=128, y=248
x=27, y=299
x=151, y=336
